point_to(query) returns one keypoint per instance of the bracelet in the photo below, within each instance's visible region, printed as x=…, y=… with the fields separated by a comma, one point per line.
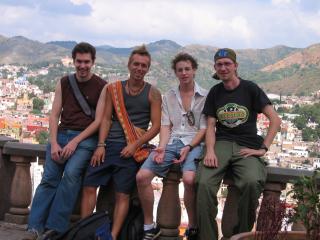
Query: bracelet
x=102, y=144
x=264, y=147
x=190, y=146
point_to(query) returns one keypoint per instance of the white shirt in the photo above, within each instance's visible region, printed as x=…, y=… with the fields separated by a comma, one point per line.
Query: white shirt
x=174, y=115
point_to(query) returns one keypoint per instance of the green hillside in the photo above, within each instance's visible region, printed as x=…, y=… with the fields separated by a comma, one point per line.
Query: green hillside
x=277, y=69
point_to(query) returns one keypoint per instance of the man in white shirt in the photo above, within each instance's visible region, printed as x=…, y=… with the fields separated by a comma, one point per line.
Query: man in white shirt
x=183, y=128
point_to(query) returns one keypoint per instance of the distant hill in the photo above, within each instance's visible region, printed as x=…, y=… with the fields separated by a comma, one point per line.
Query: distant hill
x=298, y=73
x=304, y=58
x=25, y=51
x=277, y=69
x=65, y=44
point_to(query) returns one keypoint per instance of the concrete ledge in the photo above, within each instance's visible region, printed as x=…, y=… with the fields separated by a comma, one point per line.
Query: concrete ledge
x=25, y=149
x=5, y=139
x=286, y=175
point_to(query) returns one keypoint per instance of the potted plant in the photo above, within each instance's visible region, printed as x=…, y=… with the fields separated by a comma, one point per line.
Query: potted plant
x=307, y=211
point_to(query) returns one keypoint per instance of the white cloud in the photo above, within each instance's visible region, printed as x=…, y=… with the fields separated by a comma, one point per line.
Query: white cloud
x=251, y=23
x=280, y=2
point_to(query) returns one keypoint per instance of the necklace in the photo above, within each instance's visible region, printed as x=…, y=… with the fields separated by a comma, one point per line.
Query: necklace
x=134, y=92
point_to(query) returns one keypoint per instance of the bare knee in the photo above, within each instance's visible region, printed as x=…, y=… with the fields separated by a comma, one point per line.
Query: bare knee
x=188, y=180
x=144, y=177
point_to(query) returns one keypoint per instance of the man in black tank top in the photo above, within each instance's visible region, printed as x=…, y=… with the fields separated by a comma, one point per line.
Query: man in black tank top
x=113, y=159
x=70, y=148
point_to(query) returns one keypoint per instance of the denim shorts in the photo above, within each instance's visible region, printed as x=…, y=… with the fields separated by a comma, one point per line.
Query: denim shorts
x=173, y=152
x=122, y=171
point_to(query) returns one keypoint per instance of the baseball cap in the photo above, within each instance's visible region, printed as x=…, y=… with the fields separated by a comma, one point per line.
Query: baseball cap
x=225, y=53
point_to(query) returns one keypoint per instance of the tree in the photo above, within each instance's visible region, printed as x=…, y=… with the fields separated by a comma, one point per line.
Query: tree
x=37, y=104
x=42, y=137
x=300, y=122
x=308, y=134
x=31, y=95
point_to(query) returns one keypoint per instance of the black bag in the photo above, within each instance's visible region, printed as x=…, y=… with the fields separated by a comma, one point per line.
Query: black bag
x=93, y=227
x=132, y=228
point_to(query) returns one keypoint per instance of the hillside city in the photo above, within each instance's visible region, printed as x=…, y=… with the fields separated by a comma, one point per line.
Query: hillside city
x=25, y=104
x=25, y=108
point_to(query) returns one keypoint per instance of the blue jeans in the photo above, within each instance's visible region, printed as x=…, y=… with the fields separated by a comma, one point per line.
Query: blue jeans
x=58, y=191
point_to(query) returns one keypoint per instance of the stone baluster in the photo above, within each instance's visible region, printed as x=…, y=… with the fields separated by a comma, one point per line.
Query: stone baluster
x=271, y=194
x=169, y=210
x=230, y=217
x=21, y=188
x=6, y=175
x=21, y=191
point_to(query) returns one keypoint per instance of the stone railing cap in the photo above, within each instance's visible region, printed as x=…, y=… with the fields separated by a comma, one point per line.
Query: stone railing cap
x=286, y=175
x=25, y=149
x=5, y=139
x=278, y=175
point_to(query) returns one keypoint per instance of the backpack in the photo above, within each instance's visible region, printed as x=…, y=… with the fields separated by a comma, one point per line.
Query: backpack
x=132, y=228
x=93, y=227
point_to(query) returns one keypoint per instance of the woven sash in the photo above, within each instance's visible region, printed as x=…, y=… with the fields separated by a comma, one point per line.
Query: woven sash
x=131, y=132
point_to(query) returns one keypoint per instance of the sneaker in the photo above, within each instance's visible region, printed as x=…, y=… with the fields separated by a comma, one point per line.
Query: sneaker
x=31, y=235
x=48, y=235
x=191, y=234
x=151, y=234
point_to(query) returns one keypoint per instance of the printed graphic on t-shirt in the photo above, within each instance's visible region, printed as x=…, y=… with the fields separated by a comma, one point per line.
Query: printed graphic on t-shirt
x=232, y=115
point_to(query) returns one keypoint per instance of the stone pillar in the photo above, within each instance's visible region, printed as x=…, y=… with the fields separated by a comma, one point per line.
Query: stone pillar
x=169, y=209
x=271, y=194
x=21, y=155
x=6, y=175
x=21, y=191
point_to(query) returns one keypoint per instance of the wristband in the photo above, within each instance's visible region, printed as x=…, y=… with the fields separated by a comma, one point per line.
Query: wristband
x=102, y=144
x=190, y=146
x=263, y=146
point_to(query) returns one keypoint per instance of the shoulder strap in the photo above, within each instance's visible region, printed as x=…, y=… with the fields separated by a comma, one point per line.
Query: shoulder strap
x=115, y=90
x=80, y=98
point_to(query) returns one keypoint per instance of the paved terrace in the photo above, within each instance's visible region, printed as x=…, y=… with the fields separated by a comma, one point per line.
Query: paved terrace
x=15, y=192
x=11, y=231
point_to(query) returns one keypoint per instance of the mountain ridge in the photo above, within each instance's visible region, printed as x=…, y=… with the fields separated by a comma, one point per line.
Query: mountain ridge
x=276, y=69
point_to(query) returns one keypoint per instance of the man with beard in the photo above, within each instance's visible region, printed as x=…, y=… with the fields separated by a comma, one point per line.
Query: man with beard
x=70, y=148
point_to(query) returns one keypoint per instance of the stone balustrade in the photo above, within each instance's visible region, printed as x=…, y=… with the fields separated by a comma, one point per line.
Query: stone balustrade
x=15, y=179
x=16, y=189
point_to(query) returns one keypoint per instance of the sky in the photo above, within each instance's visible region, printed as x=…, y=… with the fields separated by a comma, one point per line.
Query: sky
x=238, y=24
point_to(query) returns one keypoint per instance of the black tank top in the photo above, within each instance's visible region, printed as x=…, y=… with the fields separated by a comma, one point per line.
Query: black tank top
x=72, y=116
x=138, y=108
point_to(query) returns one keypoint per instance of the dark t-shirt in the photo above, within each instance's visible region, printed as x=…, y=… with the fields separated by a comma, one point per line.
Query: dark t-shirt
x=236, y=112
x=72, y=116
